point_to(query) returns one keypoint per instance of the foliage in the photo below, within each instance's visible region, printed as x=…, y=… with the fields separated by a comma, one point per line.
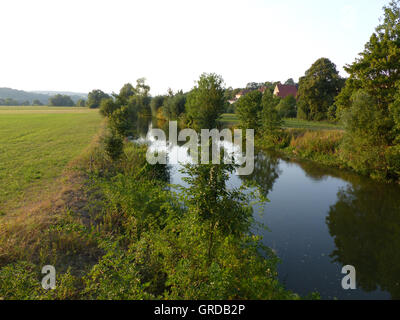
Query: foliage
x=36, y=103
x=108, y=106
x=310, y=143
x=95, y=97
x=206, y=102
x=81, y=103
x=124, y=109
x=156, y=103
x=21, y=281
x=287, y=107
x=135, y=99
x=113, y=145
x=290, y=82
x=248, y=109
x=60, y=100
x=318, y=89
x=376, y=68
x=121, y=121
x=371, y=144
x=367, y=137
x=270, y=119
x=343, y=99
x=174, y=105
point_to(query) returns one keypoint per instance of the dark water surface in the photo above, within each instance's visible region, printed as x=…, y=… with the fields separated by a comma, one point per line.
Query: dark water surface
x=319, y=220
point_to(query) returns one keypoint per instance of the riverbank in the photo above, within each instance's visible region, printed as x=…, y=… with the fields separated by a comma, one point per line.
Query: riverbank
x=320, y=146
x=117, y=231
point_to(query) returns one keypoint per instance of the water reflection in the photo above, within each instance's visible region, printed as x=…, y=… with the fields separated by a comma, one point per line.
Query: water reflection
x=266, y=171
x=365, y=223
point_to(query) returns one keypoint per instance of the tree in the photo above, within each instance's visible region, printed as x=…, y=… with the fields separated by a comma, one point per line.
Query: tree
x=156, y=103
x=254, y=85
x=248, y=109
x=287, y=107
x=174, y=105
x=108, y=106
x=95, y=97
x=271, y=121
x=206, y=102
x=219, y=208
x=60, y=100
x=123, y=109
x=370, y=102
x=377, y=67
x=136, y=98
x=318, y=89
x=37, y=103
x=126, y=92
x=290, y=82
x=81, y=103
x=366, y=136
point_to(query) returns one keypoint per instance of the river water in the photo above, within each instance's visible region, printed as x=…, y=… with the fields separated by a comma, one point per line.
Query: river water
x=320, y=219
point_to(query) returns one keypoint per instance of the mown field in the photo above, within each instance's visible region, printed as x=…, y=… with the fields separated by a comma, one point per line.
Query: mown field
x=290, y=123
x=36, y=144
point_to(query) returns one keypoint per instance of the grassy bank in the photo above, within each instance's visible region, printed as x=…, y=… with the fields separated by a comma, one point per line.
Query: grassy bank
x=232, y=118
x=317, y=141
x=321, y=146
x=36, y=144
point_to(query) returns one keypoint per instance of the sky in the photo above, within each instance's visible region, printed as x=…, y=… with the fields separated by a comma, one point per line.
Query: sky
x=80, y=45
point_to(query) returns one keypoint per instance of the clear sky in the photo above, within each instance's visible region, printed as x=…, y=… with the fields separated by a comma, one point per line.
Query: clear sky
x=80, y=45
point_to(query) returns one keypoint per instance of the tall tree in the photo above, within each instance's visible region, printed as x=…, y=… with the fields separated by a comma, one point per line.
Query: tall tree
x=248, y=109
x=206, y=102
x=370, y=102
x=270, y=119
x=174, y=105
x=377, y=67
x=290, y=82
x=95, y=97
x=318, y=89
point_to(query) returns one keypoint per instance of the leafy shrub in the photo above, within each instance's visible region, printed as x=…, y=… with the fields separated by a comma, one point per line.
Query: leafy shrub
x=113, y=145
x=287, y=107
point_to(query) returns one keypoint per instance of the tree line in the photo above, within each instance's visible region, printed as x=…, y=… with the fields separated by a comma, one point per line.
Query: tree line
x=366, y=104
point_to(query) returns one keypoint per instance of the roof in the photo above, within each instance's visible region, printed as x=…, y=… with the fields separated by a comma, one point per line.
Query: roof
x=243, y=92
x=286, y=90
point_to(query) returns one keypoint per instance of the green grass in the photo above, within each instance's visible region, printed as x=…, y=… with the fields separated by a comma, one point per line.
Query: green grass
x=229, y=117
x=289, y=123
x=311, y=125
x=36, y=144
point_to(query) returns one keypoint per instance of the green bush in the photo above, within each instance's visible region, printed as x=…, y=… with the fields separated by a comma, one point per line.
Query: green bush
x=287, y=107
x=114, y=146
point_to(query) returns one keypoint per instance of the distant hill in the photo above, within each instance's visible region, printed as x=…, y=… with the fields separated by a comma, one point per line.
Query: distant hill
x=43, y=96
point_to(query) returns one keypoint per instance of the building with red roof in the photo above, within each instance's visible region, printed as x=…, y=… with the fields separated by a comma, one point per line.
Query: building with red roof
x=282, y=90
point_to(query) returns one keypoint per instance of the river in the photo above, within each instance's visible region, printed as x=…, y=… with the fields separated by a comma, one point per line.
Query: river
x=320, y=219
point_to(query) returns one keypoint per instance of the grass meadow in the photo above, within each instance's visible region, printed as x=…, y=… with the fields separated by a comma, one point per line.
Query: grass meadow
x=36, y=144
